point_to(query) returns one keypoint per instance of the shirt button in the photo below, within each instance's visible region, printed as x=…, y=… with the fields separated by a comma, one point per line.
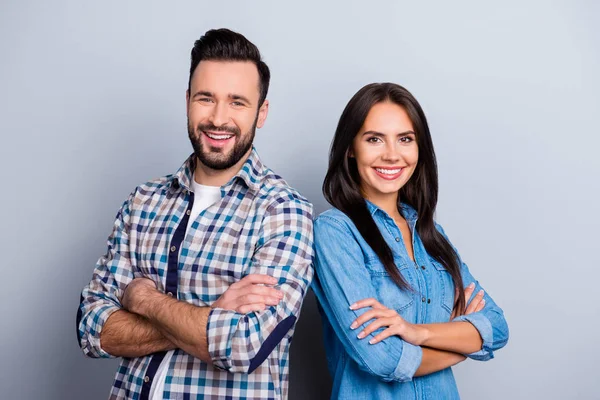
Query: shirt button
x=169, y=294
x=428, y=301
x=397, y=239
x=146, y=379
x=173, y=248
x=422, y=267
x=188, y=212
x=423, y=299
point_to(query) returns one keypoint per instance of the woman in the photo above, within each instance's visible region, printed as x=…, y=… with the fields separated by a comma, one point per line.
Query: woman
x=385, y=271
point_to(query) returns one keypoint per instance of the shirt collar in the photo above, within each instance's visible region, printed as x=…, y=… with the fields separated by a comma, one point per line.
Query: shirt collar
x=408, y=212
x=250, y=173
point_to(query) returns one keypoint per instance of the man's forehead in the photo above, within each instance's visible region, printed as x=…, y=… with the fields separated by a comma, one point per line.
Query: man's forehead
x=222, y=77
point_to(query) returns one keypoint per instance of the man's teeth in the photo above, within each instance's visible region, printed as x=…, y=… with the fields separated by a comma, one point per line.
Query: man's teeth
x=388, y=171
x=218, y=137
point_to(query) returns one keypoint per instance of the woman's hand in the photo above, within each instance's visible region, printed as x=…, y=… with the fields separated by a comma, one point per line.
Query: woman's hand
x=385, y=317
x=475, y=305
x=414, y=334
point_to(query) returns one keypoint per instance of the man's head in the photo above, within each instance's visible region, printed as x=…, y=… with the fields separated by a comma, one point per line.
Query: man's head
x=226, y=97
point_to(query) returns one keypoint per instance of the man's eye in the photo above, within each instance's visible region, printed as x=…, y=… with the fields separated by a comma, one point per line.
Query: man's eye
x=205, y=99
x=237, y=103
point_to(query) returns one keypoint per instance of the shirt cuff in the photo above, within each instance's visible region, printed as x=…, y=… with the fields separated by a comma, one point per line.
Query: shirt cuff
x=220, y=323
x=409, y=362
x=95, y=321
x=484, y=327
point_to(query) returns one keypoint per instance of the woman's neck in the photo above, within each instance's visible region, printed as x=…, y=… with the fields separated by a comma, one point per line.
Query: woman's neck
x=388, y=203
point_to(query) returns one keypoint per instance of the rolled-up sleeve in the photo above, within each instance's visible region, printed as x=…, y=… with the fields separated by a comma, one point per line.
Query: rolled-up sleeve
x=342, y=279
x=100, y=298
x=239, y=343
x=489, y=322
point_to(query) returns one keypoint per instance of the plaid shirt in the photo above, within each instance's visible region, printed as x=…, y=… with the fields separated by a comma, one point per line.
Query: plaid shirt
x=260, y=225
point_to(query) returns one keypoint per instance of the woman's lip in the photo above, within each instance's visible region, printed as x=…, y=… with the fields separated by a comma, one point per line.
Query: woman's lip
x=387, y=176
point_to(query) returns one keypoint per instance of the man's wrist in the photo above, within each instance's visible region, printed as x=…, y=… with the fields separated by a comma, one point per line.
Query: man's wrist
x=145, y=299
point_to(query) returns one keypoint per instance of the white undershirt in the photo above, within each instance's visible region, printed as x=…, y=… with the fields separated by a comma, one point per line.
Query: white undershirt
x=204, y=197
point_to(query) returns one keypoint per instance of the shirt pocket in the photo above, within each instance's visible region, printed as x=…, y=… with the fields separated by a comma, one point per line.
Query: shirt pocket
x=446, y=286
x=388, y=292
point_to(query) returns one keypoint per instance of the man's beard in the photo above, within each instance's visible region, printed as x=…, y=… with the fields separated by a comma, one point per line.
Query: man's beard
x=214, y=157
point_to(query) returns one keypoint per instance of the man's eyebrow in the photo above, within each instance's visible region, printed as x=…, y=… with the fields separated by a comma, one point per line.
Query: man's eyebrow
x=202, y=93
x=234, y=96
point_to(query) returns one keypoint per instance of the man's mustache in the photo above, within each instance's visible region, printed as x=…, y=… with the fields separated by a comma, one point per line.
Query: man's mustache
x=213, y=128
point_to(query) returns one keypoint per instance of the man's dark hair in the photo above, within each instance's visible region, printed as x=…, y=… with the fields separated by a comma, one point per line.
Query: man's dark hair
x=225, y=45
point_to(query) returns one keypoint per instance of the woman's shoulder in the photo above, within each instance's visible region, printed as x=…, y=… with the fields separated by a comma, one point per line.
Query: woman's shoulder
x=333, y=219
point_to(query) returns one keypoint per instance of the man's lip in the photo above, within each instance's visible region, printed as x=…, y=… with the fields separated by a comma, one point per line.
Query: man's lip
x=221, y=133
x=218, y=142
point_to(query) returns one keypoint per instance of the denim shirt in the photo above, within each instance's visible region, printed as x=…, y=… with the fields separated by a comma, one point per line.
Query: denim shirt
x=348, y=270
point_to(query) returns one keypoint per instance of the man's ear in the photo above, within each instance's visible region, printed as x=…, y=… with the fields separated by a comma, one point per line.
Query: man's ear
x=187, y=102
x=262, y=114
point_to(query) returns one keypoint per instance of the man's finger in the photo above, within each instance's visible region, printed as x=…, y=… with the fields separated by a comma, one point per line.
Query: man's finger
x=263, y=291
x=257, y=279
x=248, y=308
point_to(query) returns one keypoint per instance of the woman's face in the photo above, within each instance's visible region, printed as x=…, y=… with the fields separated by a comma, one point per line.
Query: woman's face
x=385, y=150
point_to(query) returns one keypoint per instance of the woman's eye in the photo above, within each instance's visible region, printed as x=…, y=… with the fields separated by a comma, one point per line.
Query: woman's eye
x=373, y=139
x=406, y=139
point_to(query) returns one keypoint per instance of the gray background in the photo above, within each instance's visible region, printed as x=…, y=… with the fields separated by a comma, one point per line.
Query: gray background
x=92, y=103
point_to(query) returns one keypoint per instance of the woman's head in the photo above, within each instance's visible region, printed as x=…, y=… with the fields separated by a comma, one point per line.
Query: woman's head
x=382, y=147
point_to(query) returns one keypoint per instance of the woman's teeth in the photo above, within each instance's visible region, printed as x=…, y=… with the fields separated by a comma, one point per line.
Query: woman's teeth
x=388, y=171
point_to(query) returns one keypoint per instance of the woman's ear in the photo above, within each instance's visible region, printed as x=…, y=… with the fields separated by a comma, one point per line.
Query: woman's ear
x=350, y=153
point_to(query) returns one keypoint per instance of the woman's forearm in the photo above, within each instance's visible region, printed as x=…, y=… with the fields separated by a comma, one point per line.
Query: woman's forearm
x=436, y=360
x=457, y=337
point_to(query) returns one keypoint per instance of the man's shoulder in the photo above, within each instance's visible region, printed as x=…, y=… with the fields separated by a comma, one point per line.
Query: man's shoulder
x=275, y=190
x=150, y=189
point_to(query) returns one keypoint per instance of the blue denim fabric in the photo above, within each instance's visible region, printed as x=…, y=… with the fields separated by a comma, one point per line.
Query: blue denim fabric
x=348, y=270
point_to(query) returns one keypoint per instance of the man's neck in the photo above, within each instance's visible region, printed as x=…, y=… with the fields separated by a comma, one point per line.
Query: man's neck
x=214, y=177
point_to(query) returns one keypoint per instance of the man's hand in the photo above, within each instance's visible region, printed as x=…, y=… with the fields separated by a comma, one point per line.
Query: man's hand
x=250, y=294
x=136, y=292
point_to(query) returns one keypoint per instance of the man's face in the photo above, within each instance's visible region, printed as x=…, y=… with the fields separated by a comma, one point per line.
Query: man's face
x=223, y=111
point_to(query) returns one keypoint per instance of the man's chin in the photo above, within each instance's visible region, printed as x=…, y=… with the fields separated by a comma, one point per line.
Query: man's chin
x=216, y=160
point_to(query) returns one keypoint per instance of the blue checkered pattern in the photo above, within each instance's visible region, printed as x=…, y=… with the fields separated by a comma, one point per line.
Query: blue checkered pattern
x=260, y=225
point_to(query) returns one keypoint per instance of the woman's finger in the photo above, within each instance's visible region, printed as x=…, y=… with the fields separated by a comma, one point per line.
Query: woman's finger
x=370, y=302
x=475, y=302
x=373, y=326
x=468, y=293
x=391, y=331
x=369, y=315
x=481, y=305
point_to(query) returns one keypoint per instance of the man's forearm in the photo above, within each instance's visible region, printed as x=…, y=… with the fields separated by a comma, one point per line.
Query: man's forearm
x=181, y=323
x=436, y=360
x=127, y=334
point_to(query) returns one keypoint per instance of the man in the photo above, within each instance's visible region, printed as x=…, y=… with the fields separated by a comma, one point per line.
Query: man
x=207, y=268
